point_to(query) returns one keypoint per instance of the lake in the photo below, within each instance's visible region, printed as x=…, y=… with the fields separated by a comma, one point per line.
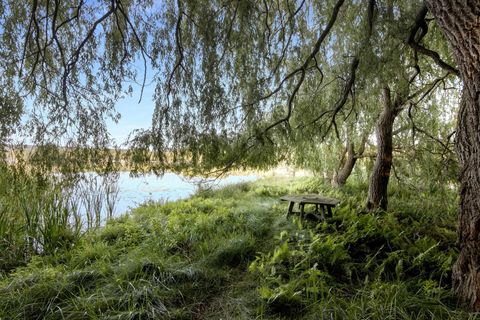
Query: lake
x=129, y=192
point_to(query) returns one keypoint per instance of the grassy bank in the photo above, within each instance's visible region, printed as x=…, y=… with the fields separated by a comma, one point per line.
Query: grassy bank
x=232, y=254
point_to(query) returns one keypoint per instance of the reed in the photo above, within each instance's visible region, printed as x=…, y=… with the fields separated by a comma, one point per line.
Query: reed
x=42, y=215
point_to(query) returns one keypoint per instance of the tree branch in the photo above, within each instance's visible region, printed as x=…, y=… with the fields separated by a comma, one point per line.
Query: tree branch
x=305, y=65
x=421, y=24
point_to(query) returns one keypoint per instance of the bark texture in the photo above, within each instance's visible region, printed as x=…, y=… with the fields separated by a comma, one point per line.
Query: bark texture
x=377, y=190
x=347, y=163
x=460, y=22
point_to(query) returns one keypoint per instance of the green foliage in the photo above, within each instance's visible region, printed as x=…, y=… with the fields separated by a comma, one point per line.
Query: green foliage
x=237, y=83
x=163, y=261
x=42, y=214
x=36, y=217
x=232, y=253
x=357, y=253
x=235, y=251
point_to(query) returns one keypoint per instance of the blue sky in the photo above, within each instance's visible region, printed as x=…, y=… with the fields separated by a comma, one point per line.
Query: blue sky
x=135, y=115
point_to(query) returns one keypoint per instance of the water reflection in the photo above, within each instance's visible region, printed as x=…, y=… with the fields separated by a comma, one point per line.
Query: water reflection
x=133, y=191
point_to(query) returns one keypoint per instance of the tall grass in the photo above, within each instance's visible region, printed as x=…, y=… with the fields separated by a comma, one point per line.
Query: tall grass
x=43, y=214
x=233, y=254
x=98, y=196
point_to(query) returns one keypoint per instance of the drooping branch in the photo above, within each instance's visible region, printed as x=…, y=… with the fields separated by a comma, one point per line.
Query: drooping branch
x=343, y=98
x=77, y=52
x=414, y=39
x=303, y=69
x=179, y=49
x=143, y=51
x=423, y=93
x=28, y=34
x=68, y=61
x=349, y=84
x=251, y=141
x=416, y=128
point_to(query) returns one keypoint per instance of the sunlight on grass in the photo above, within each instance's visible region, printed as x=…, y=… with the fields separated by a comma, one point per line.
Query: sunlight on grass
x=233, y=254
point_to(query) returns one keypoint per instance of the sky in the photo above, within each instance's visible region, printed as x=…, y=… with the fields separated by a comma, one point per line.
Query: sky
x=134, y=115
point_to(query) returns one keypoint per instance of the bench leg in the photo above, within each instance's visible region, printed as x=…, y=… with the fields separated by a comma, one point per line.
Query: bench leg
x=323, y=212
x=302, y=210
x=290, y=208
x=329, y=208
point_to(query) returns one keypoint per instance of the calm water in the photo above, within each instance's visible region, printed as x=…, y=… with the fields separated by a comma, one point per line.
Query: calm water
x=133, y=191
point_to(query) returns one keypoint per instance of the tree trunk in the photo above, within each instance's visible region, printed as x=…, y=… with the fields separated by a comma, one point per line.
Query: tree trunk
x=460, y=22
x=346, y=166
x=377, y=190
x=347, y=163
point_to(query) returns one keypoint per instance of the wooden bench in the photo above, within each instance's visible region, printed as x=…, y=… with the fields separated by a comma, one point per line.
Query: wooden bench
x=326, y=204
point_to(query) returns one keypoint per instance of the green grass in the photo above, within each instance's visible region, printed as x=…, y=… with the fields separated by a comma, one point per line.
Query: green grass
x=233, y=254
x=36, y=216
x=41, y=213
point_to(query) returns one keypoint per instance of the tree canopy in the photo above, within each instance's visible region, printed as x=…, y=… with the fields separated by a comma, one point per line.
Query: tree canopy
x=236, y=80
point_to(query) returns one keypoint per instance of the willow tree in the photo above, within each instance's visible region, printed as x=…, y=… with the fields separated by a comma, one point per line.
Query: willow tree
x=460, y=22
x=68, y=62
x=229, y=75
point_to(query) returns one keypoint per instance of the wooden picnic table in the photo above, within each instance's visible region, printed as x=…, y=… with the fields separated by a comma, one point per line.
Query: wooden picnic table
x=326, y=204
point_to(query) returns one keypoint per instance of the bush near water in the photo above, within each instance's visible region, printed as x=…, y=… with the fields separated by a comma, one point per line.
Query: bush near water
x=233, y=254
